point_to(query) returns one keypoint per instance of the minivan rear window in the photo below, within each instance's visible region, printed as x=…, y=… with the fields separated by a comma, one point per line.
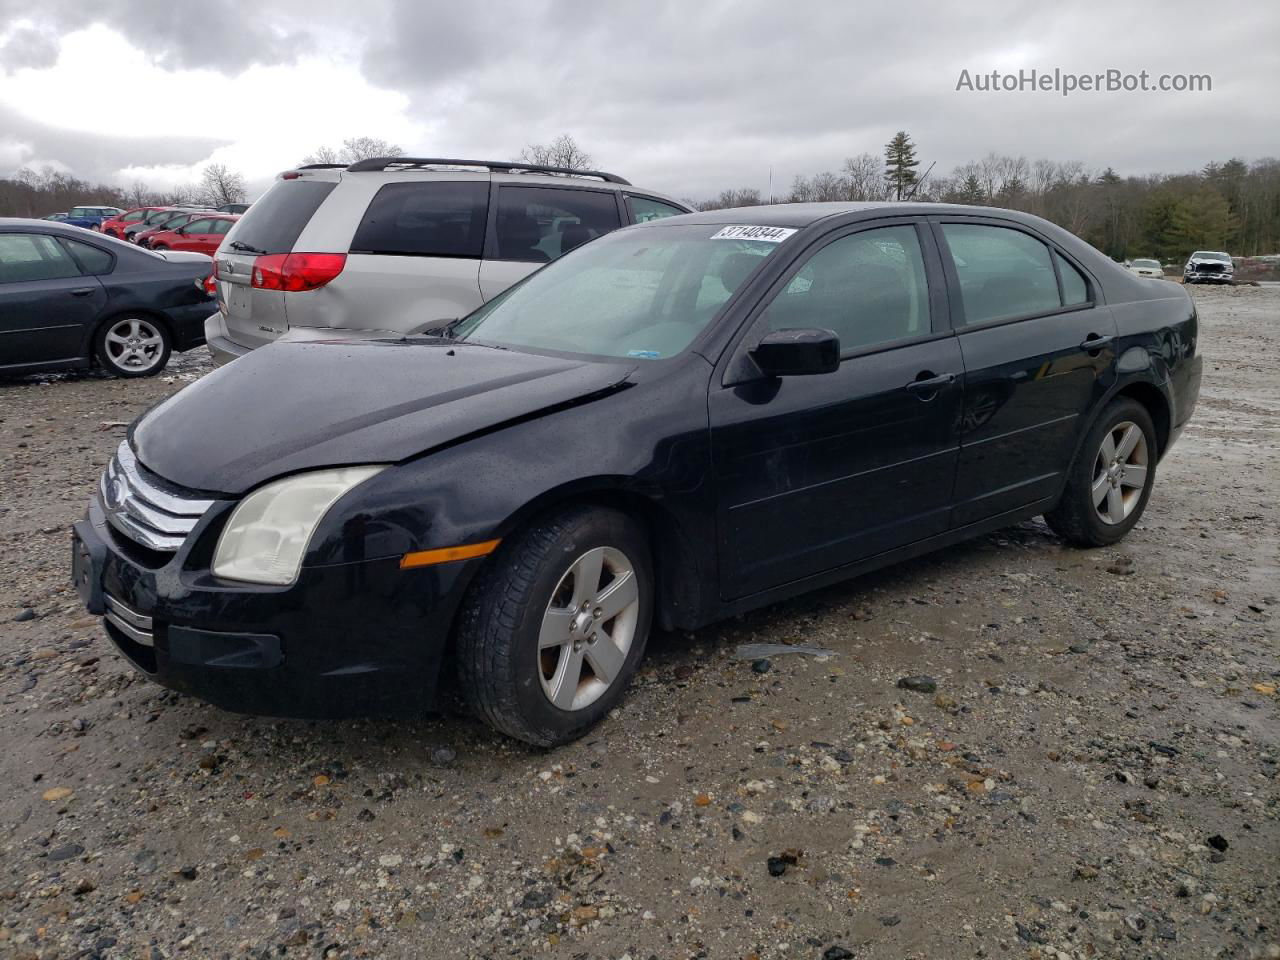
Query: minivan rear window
x=273, y=224
x=433, y=219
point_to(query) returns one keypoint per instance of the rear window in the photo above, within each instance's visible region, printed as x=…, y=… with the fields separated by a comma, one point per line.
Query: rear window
x=434, y=219
x=273, y=224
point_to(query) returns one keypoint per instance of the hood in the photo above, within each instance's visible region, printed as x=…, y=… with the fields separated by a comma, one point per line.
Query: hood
x=288, y=407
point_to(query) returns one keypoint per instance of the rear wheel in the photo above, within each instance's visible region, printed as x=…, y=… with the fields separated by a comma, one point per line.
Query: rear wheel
x=133, y=346
x=552, y=631
x=158, y=246
x=1110, y=482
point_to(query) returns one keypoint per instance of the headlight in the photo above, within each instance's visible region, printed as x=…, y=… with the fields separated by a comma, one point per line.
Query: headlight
x=267, y=535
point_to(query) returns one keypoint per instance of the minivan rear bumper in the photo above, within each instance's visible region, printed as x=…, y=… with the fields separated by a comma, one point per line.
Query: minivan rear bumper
x=223, y=348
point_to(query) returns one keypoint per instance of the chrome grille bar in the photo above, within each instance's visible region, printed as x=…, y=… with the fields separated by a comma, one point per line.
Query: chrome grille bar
x=144, y=509
x=136, y=626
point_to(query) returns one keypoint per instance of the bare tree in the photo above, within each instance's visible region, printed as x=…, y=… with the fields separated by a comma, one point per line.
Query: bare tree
x=353, y=149
x=741, y=197
x=563, y=151
x=863, y=178
x=219, y=185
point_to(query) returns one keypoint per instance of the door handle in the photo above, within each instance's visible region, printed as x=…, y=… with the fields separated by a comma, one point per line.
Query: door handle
x=82, y=291
x=927, y=387
x=1093, y=343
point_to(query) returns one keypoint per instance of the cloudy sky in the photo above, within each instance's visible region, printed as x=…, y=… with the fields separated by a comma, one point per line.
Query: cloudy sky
x=683, y=96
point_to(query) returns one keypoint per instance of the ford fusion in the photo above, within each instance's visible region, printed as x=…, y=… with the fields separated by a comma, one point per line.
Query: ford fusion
x=676, y=422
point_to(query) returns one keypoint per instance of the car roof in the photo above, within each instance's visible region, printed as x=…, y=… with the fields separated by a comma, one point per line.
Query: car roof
x=803, y=214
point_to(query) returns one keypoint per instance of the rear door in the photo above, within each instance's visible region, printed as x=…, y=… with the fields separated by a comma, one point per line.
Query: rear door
x=1038, y=354
x=414, y=259
x=533, y=225
x=46, y=304
x=255, y=317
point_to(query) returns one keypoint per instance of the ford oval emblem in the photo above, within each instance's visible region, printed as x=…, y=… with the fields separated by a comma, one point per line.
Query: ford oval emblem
x=116, y=492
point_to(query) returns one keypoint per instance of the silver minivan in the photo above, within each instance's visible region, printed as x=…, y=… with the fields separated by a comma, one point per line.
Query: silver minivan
x=403, y=244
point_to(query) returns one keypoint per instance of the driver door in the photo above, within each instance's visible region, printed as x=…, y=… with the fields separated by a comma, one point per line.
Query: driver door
x=816, y=472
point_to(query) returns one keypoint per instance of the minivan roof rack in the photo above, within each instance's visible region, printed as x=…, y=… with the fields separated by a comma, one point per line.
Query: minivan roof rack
x=494, y=166
x=321, y=166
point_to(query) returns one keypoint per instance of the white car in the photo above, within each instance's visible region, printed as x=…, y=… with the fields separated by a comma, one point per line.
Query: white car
x=1145, y=268
x=1208, y=266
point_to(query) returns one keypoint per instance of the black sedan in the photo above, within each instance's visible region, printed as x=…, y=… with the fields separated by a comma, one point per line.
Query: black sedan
x=676, y=422
x=69, y=297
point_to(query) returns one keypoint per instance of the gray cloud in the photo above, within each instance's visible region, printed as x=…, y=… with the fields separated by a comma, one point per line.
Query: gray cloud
x=28, y=47
x=95, y=157
x=223, y=35
x=693, y=97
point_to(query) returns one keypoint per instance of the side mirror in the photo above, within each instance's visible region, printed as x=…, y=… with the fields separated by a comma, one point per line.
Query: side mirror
x=794, y=353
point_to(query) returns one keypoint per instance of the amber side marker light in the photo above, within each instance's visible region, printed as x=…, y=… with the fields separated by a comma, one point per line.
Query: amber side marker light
x=427, y=558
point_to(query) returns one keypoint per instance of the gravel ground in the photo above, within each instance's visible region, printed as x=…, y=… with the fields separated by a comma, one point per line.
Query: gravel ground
x=1084, y=766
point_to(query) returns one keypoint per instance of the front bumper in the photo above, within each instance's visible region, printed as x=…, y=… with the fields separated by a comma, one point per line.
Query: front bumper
x=346, y=639
x=1202, y=276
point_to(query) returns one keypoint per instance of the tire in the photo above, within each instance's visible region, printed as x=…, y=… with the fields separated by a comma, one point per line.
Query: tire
x=133, y=346
x=1103, y=499
x=528, y=590
x=157, y=246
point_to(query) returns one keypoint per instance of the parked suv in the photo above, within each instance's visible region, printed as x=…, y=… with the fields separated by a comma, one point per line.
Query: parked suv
x=1208, y=266
x=404, y=244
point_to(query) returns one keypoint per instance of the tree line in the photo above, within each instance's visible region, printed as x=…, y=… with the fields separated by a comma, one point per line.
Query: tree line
x=1230, y=205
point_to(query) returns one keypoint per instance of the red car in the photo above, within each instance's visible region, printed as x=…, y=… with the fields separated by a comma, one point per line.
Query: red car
x=166, y=224
x=201, y=234
x=114, y=226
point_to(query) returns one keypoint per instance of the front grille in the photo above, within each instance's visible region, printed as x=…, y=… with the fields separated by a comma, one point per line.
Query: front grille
x=1210, y=267
x=146, y=509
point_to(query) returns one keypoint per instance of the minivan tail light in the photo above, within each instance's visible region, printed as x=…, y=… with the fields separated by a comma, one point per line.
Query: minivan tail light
x=296, y=272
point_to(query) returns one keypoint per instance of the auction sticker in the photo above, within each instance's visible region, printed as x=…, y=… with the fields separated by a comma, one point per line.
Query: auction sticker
x=768, y=234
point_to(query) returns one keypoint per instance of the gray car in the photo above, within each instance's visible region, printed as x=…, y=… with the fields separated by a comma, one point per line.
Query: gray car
x=404, y=244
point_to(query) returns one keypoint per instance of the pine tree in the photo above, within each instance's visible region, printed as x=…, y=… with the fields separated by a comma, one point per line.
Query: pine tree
x=971, y=190
x=900, y=163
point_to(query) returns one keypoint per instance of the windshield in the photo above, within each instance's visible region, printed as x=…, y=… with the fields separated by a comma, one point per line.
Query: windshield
x=1210, y=255
x=641, y=294
x=1146, y=263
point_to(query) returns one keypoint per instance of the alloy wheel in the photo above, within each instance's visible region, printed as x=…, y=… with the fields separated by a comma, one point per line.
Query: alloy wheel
x=588, y=628
x=134, y=344
x=1120, y=472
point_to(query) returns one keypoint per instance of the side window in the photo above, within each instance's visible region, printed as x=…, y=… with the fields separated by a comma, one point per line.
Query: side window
x=134, y=216
x=644, y=209
x=95, y=260
x=537, y=224
x=1003, y=272
x=868, y=287
x=221, y=226
x=78, y=212
x=26, y=257
x=440, y=218
x=1074, y=288
x=199, y=226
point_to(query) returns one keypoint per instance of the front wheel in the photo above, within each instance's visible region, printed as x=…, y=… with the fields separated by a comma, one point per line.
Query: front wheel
x=1110, y=481
x=133, y=346
x=551, y=633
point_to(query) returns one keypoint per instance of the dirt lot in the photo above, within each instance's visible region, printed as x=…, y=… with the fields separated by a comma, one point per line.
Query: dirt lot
x=1095, y=774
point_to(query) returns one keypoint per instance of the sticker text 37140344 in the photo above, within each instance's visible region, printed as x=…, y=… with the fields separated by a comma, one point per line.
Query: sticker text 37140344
x=768, y=234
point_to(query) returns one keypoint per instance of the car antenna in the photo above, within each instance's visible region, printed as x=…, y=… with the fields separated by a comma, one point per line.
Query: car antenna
x=916, y=186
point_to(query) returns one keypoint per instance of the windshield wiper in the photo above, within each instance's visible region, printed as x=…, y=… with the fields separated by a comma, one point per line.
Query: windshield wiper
x=244, y=247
